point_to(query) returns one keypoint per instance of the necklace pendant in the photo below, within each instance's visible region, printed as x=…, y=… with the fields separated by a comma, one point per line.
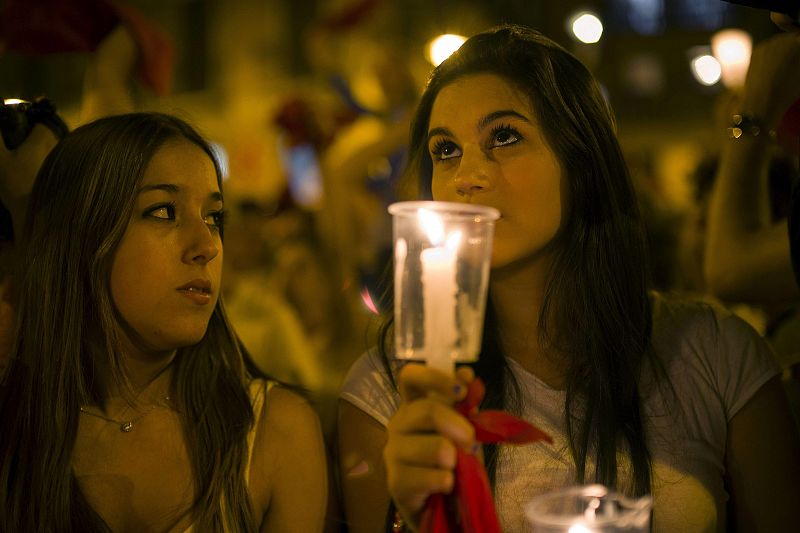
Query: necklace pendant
x=126, y=427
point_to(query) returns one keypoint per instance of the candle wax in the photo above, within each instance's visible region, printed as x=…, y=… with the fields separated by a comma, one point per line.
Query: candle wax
x=439, y=291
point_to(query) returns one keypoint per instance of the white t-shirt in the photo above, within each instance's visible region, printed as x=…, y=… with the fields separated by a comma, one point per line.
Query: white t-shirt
x=715, y=361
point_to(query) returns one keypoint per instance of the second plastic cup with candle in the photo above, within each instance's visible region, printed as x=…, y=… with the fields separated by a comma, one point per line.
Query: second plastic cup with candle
x=442, y=254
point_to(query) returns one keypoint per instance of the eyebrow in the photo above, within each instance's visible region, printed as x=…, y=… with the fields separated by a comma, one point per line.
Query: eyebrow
x=174, y=189
x=491, y=117
x=483, y=122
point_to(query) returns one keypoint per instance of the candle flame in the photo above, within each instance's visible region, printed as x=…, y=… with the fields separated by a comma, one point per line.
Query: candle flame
x=453, y=240
x=432, y=224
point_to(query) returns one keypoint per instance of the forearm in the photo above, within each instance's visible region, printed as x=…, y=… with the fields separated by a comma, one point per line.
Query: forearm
x=366, y=505
x=362, y=472
x=746, y=255
x=762, y=462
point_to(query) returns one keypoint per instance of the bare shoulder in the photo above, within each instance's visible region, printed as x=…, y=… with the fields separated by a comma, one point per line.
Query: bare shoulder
x=289, y=417
x=697, y=320
x=289, y=458
x=286, y=419
x=288, y=409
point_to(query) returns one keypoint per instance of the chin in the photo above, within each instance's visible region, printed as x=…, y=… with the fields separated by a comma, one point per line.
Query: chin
x=500, y=257
x=187, y=338
x=194, y=339
x=501, y=264
x=519, y=261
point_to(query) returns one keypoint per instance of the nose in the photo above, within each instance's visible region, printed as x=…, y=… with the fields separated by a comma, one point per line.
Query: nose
x=202, y=243
x=473, y=176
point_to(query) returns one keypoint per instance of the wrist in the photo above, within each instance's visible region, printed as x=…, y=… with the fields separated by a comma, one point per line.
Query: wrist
x=398, y=524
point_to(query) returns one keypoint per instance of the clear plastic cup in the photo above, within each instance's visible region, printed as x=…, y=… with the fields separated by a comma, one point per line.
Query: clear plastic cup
x=442, y=255
x=589, y=508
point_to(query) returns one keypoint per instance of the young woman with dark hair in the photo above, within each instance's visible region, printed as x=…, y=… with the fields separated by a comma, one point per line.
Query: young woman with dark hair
x=641, y=393
x=128, y=404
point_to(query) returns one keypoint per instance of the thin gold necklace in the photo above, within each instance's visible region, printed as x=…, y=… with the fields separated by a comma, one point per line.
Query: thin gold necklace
x=126, y=426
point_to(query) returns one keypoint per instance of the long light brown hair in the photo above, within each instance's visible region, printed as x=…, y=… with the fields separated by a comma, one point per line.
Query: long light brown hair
x=67, y=331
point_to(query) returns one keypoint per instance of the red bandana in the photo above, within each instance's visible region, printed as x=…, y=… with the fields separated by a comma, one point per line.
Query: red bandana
x=470, y=507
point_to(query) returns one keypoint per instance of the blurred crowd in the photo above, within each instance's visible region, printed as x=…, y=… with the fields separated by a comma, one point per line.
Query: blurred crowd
x=306, y=257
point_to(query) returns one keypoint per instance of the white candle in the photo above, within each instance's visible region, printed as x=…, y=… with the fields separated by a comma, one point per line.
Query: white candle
x=439, y=291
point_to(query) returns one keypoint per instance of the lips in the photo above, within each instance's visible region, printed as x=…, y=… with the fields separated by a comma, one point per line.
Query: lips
x=197, y=290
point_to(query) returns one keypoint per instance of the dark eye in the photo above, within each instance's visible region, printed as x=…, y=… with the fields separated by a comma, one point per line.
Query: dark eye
x=445, y=149
x=215, y=219
x=504, y=135
x=163, y=212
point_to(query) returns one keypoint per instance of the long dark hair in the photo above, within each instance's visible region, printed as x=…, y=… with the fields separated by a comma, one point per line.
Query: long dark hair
x=598, y=283
x=66, y=331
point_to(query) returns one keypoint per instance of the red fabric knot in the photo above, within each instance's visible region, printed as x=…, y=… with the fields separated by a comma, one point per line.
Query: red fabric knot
x=470, y=507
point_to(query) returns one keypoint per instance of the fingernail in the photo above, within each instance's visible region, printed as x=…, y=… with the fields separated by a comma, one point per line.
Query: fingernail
x=457, y=388
x=475, y=448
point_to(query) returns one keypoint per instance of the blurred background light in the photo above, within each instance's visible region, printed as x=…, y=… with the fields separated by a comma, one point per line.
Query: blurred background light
x=644, y=74
x=442, y=46
x=706, y=69
x=644, y=16
x=732, y=48
x=586, y=27
x=700, y=14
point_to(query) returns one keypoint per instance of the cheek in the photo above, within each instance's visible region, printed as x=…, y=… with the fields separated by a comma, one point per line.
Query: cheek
x=441, y=193
x=137, y=270
x=437, y=193
x=545, y=190
x=127, y=276
x=552, y=213
x=565, y=201
x=216, y=266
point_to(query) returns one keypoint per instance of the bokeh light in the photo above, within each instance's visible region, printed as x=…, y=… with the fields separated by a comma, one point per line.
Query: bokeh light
x=706, y=69
x=732, y=48
x=587, y=28
x=644, y=74
x=442, y=46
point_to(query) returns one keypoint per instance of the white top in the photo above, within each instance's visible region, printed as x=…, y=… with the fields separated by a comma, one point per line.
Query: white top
x=716, y=362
